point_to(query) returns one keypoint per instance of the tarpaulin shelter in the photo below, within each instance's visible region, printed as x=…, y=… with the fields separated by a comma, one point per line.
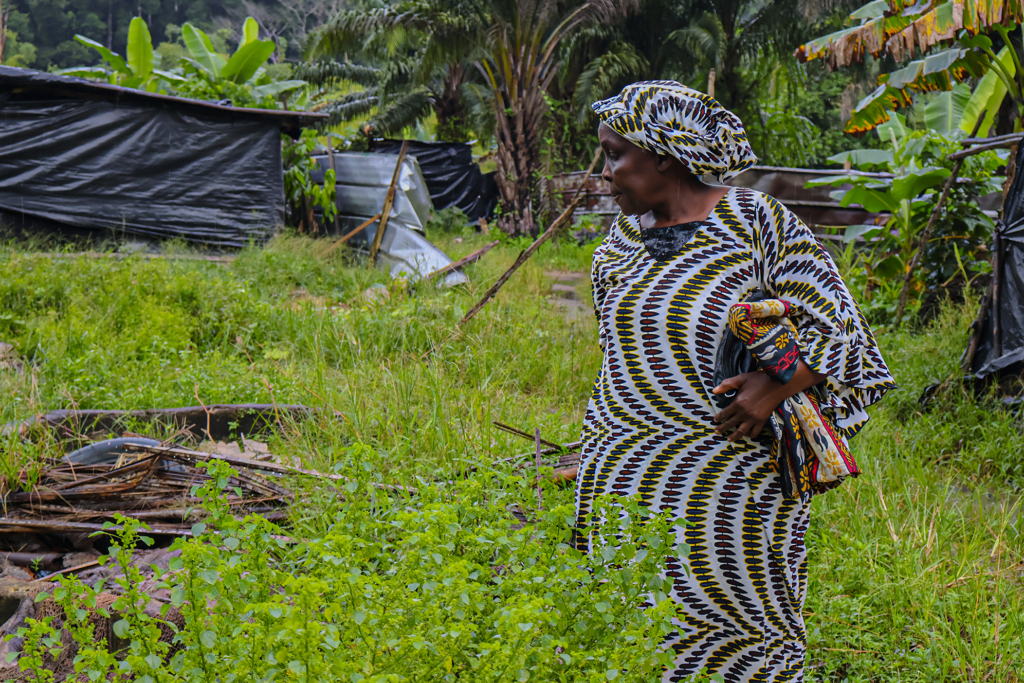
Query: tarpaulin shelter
x=99, y=156
x=1000, y=335
x=452, y=176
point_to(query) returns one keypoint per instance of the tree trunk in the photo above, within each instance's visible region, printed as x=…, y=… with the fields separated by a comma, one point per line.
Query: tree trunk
x=517, y=159
x=450, y=108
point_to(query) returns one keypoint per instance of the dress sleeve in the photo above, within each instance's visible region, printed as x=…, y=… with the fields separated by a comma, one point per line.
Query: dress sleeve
x=835, y=339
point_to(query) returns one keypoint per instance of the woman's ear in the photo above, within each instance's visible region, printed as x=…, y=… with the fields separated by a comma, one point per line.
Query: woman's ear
x=664, y=163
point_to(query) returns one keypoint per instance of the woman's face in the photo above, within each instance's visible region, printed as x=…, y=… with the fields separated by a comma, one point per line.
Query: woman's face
x=632, y=172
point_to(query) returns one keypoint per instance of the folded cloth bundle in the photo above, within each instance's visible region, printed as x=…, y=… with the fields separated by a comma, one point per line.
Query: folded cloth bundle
x=812, y=456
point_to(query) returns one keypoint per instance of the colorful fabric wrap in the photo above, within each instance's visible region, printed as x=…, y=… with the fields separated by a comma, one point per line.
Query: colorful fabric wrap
x=811, y=454
x=668, y=118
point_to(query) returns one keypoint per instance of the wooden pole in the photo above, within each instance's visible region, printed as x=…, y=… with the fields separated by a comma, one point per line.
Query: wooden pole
x=528, y=252
x=711, y=83
x=926, y=234
x=330, y=156
x=389, y=201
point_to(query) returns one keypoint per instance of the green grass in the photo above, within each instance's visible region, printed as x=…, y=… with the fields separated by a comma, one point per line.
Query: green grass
x=915, y=568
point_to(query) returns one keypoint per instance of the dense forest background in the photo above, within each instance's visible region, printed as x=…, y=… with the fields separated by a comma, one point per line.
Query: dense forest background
x=43, y=30
x=794, y=113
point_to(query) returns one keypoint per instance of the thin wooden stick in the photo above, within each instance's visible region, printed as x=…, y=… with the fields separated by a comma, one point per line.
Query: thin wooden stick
x=389, y=201
x=362, y=226
x=54, y=575
x=998, y=143
x=926, y=234
x=1009, y=137
x=540, y=491
x=518, y=432
x=464, y=260
x=528, y=252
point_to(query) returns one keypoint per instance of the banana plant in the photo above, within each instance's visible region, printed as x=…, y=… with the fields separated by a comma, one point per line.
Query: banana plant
x=243, y=68
x=902, y=29
x=915, y=166
x=138, y=71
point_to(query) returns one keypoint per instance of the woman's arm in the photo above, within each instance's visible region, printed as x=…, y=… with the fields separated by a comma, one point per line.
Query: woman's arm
x=757, y=398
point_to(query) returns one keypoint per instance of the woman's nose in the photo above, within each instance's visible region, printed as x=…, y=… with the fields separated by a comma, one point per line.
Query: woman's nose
x=606, y=172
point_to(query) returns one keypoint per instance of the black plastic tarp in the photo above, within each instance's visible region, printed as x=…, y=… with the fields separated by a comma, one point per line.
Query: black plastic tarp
x=82, y=155
x=453, y=179
x=1007, y=307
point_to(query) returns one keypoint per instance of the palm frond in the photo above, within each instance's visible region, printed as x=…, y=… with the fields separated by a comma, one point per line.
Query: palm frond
x=346, y=32
x=704, y=39
x=330, y=72
x=620, y=63
x=478, y=106
x=402, y=112
x=350, y=107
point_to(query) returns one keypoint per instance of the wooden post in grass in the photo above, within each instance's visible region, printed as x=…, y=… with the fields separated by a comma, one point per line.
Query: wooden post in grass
x=389, y=201
x=528, y=252
x=330, y=156
x=926, y=234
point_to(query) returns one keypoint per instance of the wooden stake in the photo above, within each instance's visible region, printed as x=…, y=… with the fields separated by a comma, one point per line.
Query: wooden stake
x=711, y=83
x=389, y=201
x=330, y=156
x=528, y=252
x=540, y=493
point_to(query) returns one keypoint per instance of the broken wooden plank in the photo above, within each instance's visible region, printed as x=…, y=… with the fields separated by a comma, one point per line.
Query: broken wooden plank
x=389, y=201
x=362, y=226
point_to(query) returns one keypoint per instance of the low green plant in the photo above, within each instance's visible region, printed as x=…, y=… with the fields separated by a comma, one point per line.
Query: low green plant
x=301, y=192
x=437, y=585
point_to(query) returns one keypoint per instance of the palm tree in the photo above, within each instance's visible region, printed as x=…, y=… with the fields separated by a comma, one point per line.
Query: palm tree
x=423, y=49
x=521, y=63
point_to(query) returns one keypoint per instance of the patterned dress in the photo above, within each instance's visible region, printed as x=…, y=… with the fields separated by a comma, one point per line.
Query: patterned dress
x=648, y=430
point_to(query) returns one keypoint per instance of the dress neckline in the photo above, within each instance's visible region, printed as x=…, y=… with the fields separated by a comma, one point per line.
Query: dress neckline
x=714, y=210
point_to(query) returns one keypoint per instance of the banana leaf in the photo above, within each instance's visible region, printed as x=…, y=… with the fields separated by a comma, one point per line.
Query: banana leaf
x=917, y=181
x=250, y=31
x=246, y=60
x=872, y=10
x=276, y=88
x=140, y=48
x=875, y=108
x=988, y=97
x=875, y=201
x=112, y=58
x=979, y=15
x=897, y=125
x=865, y=231
x=864, y=158
x=934, y=72
x=90, y=72
x=944, y=113
x=198, y=43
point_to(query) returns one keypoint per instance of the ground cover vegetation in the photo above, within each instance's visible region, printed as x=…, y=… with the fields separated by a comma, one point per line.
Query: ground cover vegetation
x=915, y=568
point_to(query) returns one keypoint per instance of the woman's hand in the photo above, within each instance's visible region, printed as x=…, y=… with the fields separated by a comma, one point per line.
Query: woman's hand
x=757, y=398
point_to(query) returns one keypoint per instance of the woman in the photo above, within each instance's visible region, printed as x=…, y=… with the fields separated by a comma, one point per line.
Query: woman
x=684, y=250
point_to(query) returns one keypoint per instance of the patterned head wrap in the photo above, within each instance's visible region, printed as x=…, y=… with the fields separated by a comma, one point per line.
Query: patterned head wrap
x=666, y=117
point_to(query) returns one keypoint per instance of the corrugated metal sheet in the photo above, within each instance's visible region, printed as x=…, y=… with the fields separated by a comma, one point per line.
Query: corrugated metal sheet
x=362, y=185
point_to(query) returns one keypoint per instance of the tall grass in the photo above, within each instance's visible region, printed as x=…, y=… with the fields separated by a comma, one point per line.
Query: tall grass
x=915, y=568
